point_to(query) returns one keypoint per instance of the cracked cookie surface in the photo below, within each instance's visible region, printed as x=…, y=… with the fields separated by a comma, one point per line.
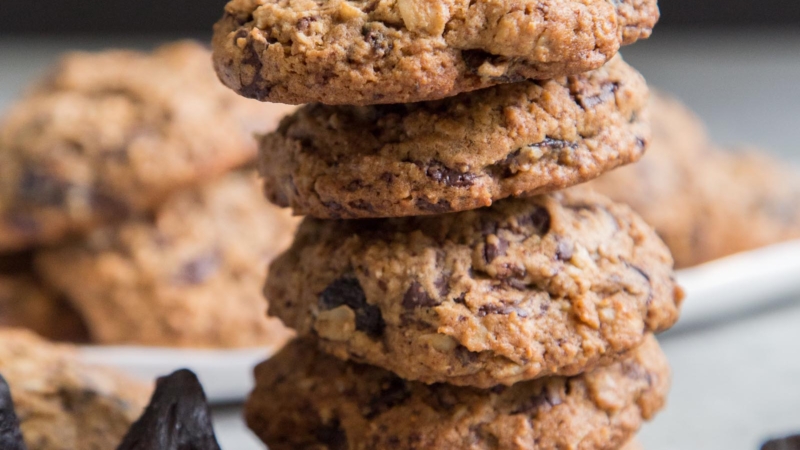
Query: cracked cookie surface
x=306, y=399
x=459, y=153
x=364, y=52
x=189, y=277
x=110, y=134
x=63, y=404
x=550, y=285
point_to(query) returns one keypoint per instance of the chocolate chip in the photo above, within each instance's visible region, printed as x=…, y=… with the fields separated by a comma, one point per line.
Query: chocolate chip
x=200, y=269
x=394, y=392
x=304, y=23
x=503, y=310
x=556, y=144
x=332, y=436
x=493, y=250
x=354, y=185
x=787, y=443
x=606, y=94
x=447, y=176
x=442, y=206
x=441, y=285
x=564, y=249
x=177, y=417
x=380, y=44
x=347, y=291
x=257, y=88
x=545, y=399
x=465, y=356
x=362, y=205
x=539, y=219
x=10, y=434
x=387, y=177
x=417, y=297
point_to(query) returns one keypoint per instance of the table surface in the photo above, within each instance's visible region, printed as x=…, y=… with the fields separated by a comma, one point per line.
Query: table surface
x=736, y=381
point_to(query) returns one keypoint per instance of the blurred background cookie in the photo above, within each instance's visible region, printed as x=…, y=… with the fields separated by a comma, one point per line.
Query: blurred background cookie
x=189, y=276
x=705, y=202
x=111, y=134
x=62, y=404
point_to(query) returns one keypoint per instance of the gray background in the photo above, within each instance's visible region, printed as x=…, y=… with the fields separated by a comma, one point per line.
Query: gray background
x=736, y=380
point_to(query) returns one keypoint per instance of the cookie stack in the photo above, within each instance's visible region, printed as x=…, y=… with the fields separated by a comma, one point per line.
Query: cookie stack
x=473, y=303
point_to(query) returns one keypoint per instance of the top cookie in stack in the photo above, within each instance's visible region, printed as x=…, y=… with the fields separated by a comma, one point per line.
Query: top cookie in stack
x=367, y=52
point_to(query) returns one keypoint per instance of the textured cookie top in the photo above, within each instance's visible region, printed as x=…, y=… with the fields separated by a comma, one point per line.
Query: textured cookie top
x=550, y=285
x=364, y=52
x=703, y=201
x=111, y=133
x=190, y=276
x=62, y=404
x=459, y=153
x=305, y=399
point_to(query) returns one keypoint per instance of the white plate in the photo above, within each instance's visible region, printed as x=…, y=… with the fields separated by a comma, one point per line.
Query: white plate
x=719, y=288
x=226, y=375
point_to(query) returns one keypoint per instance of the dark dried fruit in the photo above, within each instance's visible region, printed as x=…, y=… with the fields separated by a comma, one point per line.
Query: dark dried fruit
x=10, y=434
x=177, y=418
x=347, y=291
x=787, y=443
x=417, y=297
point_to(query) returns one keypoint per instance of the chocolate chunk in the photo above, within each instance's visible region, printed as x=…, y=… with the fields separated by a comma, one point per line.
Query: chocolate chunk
x=347, y=291
x=555, y=144
x=504, y=310
x=305, y=22
x=393, y=392
x=200, y=269
x=177, y=418
x=449, y=177
x=492, y=251
x=606, y=94
x=378, y=41
x=539, y=219
x=564, y=249
x=332, y=435
x=10, y=434
x=417, y=297
x=787, y=443
x=257, y=88
x=545, y=399
x=442, y=206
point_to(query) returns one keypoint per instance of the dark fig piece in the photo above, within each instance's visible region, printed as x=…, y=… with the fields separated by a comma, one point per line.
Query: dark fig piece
x=787, y=443
x=177, y=418
x=10, y=434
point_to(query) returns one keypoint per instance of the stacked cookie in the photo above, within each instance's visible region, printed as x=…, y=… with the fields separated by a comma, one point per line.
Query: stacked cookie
x=469, y=302
x=125, y=194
